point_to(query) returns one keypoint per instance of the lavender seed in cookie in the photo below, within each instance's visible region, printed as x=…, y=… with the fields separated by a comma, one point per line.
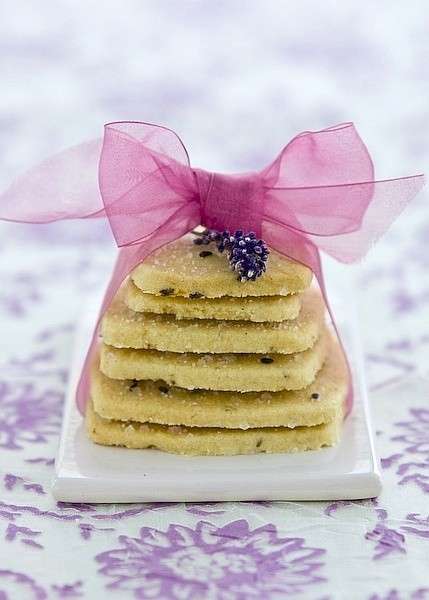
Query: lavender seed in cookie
x=166, y=291
x=266, y=360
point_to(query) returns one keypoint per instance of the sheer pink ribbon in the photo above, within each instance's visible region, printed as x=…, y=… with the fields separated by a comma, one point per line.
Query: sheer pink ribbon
x=319, y=194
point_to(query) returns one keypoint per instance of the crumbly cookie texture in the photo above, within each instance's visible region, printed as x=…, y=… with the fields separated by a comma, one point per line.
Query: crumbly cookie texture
x=250, y=308
x=228, y=372
x=185, y=269
x=156, y=402
x=124, y=328
x=209, y=441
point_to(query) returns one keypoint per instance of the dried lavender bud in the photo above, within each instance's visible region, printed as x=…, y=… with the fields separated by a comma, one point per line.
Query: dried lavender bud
x=315, y=396
x=204, y=238
x=266, y=360
x=205, y=253
x=166, y=291
x=246, y=254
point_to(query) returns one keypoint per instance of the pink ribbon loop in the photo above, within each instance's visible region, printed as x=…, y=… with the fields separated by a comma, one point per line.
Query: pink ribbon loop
x=319, y=194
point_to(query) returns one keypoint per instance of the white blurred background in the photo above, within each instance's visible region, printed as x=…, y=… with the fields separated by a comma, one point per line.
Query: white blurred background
x=236, y=79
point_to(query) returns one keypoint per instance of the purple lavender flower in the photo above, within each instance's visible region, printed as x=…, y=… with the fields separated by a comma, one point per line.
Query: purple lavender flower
x=247, y=255
x=227, y=562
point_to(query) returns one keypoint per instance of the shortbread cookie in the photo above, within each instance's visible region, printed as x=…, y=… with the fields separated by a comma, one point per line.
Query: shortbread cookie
x=124, y=328
x=199, y=441
x=234, y=372
x=156, y=402
x=250, y=308
x=185, y=269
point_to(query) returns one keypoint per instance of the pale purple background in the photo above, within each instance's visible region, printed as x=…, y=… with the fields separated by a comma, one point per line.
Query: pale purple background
x=236, y=80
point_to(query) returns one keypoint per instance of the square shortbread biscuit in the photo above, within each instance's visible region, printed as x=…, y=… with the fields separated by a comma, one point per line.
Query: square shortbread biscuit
x=249, y=308
x=124, y=328
x=156, y=402
x=209, y=441
x=234, y=372
x=180, y=269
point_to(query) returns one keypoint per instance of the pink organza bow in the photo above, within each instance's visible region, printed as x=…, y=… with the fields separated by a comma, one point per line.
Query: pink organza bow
x=318, y=194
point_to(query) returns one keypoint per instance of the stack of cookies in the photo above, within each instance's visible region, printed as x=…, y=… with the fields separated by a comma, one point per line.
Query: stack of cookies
x=195, y=362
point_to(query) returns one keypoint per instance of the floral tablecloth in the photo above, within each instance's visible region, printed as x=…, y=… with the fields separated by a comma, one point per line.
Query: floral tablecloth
x=237, y=80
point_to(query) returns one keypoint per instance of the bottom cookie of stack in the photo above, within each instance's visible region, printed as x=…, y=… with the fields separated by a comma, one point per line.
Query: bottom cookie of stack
x=144, y=414
x=210, y=441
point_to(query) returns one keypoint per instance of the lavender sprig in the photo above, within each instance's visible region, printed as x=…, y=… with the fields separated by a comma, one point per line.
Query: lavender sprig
x=247, y=255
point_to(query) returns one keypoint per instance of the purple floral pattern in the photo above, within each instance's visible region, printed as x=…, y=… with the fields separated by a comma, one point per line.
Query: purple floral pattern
x=387, y=541
x=69, y=590
x=412, y=463
x=19, y=295
x=19, y=585
x=417, y=525
x=226, y=562
x=394, y=594
x=415, y=436
x=24, y=534
x=28, y=415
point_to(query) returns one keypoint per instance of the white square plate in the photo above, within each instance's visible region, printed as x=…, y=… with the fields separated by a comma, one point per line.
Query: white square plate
x=86, y=472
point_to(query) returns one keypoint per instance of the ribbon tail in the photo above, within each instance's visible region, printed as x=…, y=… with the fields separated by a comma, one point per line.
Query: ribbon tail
x=296, y=247
x=64, y=186
x=317, y=269
x=128, y=258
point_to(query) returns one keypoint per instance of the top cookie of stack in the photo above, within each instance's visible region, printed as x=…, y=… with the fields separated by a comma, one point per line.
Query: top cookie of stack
x=195, y=362
x=192, y=271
